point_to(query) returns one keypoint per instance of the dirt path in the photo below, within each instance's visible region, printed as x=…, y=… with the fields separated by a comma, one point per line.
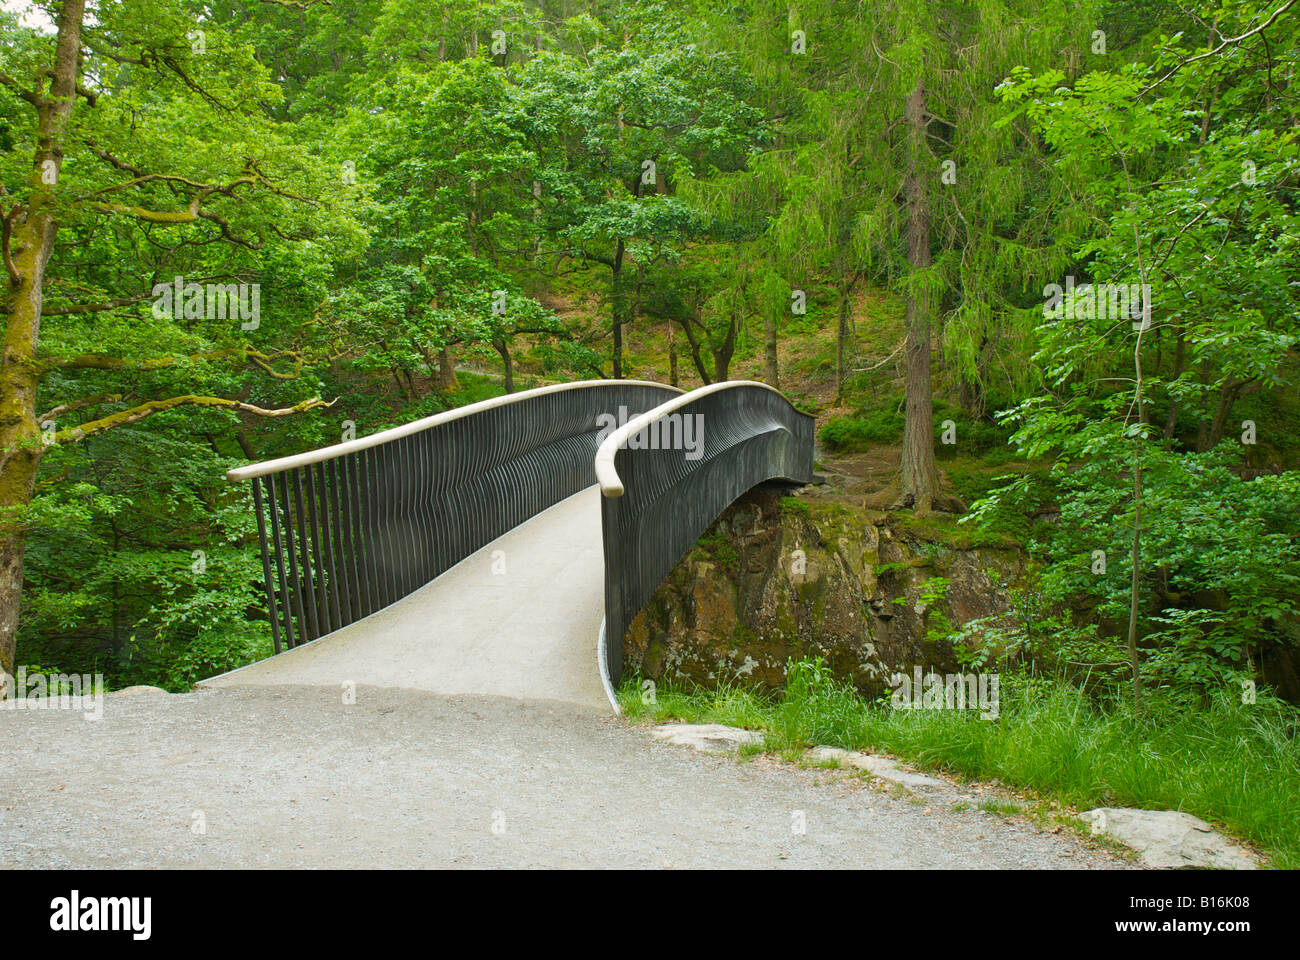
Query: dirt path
x=292, y=777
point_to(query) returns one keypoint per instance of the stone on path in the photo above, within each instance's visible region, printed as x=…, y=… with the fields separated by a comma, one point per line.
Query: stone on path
x=1169, y=838
x=881, y=767
x=707, y=737
x=137, y=689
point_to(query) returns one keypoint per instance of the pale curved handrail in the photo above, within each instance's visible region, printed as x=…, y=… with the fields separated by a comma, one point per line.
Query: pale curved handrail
x=322, y=454
x=659, y=505
x=611, y=485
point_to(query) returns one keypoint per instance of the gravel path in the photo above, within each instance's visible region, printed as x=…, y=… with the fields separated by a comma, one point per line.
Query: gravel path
x=290, y=777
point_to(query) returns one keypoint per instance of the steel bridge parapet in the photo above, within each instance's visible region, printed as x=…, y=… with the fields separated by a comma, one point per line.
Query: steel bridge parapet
x=658, y=501
x=352, y=528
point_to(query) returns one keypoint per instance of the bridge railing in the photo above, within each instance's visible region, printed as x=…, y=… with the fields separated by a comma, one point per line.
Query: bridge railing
x=667, y=474
x=349, y=529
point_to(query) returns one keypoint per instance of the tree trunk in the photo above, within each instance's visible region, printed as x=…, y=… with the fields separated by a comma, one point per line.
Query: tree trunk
x=920, y=476
x=841, y=338
x=696, y=358
x=507, y=363
x=620, y=305
x=447, y=370
x=31, y=243
x=771, y=368
x=245, y=443
x=1135, y=664
x=672, y=355
x=1232, y=390
x=1203, y=424
x=723, y=352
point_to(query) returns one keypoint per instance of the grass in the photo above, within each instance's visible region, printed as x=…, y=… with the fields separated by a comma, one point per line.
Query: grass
x=1235, y=765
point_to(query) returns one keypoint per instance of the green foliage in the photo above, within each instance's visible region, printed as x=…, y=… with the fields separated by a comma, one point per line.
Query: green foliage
x=884, y=425
x=852, y=434
x=405, y=190
x=795, y=506
x=816, y=708
x=1221, y=566
x=1232, y=763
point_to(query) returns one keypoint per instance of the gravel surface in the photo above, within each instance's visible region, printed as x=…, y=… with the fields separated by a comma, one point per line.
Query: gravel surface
x=291, y=777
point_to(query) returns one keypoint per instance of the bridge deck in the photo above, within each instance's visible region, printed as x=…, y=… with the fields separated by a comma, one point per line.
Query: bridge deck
x=529, y=632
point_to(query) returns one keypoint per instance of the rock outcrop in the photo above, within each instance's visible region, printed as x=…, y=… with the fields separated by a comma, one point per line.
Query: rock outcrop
x=779, y=577
x=707, y=737
x=1169, y=838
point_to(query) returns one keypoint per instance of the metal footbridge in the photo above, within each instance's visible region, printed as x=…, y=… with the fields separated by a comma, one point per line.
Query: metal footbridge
x=504, y=547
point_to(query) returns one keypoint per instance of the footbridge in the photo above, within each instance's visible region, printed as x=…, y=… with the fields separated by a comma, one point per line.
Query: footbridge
x=503, y=547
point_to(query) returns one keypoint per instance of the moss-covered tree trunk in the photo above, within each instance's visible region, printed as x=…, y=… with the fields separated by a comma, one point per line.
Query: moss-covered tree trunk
x=771, y=365
x=619, y=307
x=920, y=476
x=30, y=241
x=841, y=339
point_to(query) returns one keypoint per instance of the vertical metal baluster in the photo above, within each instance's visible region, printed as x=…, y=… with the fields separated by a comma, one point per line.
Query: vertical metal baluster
x=361, y=484
x=341, y=537
x=412, y=527
x=419, y=491
x=273, y=498
x=430, y=505
x=295, y=577
x=329, y=545
x=351, y=525
x=271, y=606
x=417, y=514
x=318, y=553
x=308, y=574
x=418, y=547
x=384, y=507
x=329, y=531
x=436, y=510
x=404, y=505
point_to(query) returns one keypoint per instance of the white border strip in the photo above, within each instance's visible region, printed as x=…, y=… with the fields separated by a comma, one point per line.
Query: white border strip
x=607, y=476
x=603, y=665
x=416, y=426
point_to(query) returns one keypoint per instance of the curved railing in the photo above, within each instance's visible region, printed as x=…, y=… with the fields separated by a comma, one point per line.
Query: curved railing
x=351, y=528
x=667, y=474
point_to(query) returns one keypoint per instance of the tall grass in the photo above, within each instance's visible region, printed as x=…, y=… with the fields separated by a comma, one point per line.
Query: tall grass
x=1234, y=764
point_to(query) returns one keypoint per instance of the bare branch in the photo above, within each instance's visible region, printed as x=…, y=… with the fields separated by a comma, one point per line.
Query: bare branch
x=81, y=404
x=1219, y=49
x=137, y=413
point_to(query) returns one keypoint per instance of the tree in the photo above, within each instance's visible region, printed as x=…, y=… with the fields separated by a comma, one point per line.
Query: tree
x=92, y=175
x=1189, y=163
x=632, y=122
x=881, y=107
